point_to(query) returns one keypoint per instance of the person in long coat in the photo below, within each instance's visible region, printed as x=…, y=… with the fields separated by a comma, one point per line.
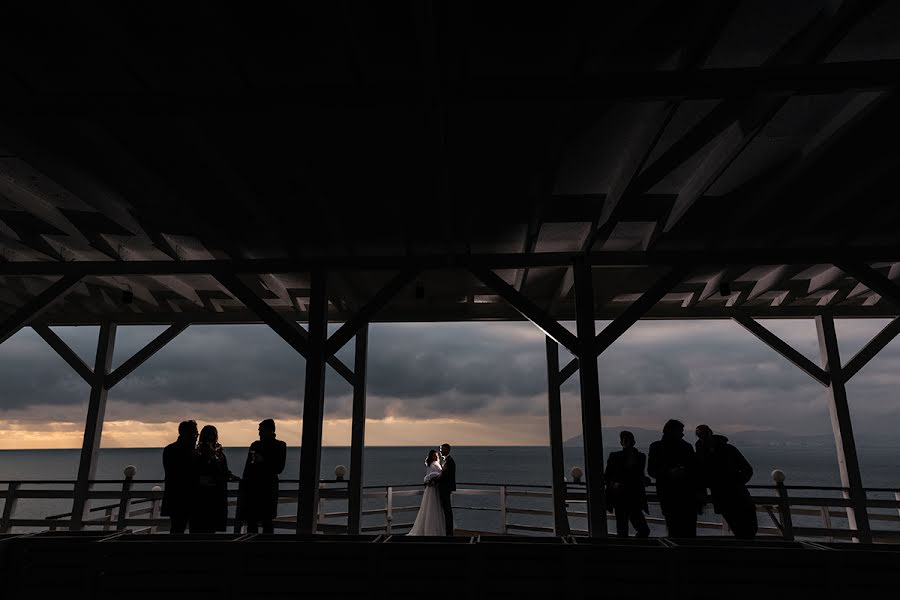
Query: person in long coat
x=673, y=464
x=209, y=511
x=258, y=496
x=725, y=471
x=178, y=459
x=625, y=487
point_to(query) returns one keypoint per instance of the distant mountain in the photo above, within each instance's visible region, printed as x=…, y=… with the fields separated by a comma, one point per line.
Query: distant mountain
x=611, y=437
x=749, y=438
x=780, y=439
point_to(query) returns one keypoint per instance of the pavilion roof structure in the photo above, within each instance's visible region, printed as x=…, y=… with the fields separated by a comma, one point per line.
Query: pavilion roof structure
x=750, y=147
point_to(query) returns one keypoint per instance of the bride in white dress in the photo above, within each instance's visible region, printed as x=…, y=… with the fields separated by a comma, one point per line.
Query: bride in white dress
x=430, y=520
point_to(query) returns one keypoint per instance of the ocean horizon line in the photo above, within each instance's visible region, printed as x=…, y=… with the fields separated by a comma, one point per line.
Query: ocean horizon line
x=291, y=446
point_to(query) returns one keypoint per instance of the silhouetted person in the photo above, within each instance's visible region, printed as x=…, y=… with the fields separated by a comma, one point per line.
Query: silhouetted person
x=209, y=511
x=446, y=486
x=725, y=471
x=178, y=459
x=673, y=464
x=258, y=497
x=625, y=487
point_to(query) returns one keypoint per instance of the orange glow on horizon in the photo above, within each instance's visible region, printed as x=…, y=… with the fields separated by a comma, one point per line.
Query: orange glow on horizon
x=392, y=431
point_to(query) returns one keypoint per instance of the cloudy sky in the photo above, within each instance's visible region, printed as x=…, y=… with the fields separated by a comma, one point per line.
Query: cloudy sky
x=470, y=383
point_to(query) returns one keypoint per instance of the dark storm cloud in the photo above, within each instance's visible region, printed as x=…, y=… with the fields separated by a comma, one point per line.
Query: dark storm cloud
x=472, y=367
x=412, y=361
x=713, y=371
x=31, y=373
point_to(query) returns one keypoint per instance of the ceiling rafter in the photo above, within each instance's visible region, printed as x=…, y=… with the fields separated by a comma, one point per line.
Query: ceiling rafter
x=651, y=122
x=769, y=188
x=735, y=123
x=20, y=189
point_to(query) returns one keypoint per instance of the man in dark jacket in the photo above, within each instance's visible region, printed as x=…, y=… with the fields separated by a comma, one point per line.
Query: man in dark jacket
x=258, y=495
x=674, y=466
x=625, y=487
x=177, y=463
x=725, y=471
x=446, y=486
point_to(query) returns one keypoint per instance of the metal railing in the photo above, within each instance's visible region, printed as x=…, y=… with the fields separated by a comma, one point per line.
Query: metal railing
x=788, y=512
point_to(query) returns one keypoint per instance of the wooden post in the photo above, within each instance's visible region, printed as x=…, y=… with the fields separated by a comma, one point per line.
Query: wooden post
x=784, y=508
x=826, y=521
x=93, y=427
x=389, y=513
x=557, y=460
x=839, y=410
x=125, y=500
x=238, y=524
x=358, y=432
x=313, y=406
x=896, y=497
x=503, y=509
x=155, y=506
x=9, y=506
x=590, y=398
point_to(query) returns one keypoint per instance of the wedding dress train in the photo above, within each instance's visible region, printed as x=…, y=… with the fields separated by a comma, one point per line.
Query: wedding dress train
x=430, y=520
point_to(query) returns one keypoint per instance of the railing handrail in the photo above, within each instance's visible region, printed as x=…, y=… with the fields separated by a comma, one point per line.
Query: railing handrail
x=139, y=508
x=141, y=481
x=755, y=486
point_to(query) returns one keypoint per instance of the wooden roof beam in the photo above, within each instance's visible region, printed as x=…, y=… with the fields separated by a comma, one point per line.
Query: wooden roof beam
x=776, y=275
x=695, y=258
x=65, y=352
x=640, y=307
x=124, y=253
x=387, y=293
x=713, y=83
x=528, y=309
x=652, y=119
x=37, y=305
x=25, y=195
x=872, y=279
x=771, y=187
x=89, y=190
x=824, y=279
x=737, y=122
x=142, y=355
x=871, y=349
x=289, y=330
x=783, y=348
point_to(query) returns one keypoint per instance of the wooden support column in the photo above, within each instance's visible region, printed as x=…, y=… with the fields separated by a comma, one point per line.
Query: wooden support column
x=93, y=427
x=313, y=406
x=358, y=431
x=839, y=410
x=590, y=398
x=557, y=460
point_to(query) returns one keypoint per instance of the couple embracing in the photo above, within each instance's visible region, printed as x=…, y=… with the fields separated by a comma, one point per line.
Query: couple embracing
x=436, y=512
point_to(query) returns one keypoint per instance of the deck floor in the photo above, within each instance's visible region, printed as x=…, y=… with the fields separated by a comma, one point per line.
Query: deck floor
x=232, y=566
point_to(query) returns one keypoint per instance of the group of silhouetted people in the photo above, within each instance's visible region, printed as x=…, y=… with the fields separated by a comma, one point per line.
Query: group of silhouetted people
x=683, y=474
x=197, y=476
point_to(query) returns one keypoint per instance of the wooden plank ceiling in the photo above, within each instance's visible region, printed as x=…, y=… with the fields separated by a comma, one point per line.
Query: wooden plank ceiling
x=420, y=130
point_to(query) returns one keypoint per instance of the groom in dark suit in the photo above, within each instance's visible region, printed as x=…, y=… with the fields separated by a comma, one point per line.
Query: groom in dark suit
x=446, y=486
